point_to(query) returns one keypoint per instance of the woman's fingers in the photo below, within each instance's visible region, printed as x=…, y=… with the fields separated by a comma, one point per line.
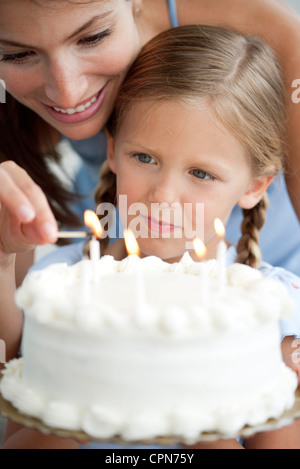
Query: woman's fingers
x=11, y=195
x=26, y=202
x=43, y=219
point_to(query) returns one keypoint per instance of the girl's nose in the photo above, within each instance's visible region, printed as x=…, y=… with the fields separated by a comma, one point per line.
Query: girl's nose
x=165, y=189
x=66, y=85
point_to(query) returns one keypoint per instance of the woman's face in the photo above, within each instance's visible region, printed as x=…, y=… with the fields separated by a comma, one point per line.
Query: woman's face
x=66, y=60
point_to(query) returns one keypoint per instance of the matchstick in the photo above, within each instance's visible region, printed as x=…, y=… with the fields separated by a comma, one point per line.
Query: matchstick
x=73, y=234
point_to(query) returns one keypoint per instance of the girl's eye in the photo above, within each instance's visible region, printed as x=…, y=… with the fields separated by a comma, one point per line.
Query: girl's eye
x=19, y=58
x=144, y=158
x=200, y=174
x=95, y=39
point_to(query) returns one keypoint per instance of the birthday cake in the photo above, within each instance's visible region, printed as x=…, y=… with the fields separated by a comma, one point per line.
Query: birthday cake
x=140, y=350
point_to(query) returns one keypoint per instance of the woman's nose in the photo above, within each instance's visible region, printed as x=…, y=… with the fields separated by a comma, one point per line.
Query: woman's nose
x=66, y=85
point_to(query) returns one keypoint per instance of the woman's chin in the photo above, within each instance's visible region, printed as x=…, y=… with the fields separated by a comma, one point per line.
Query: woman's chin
x=79, y=131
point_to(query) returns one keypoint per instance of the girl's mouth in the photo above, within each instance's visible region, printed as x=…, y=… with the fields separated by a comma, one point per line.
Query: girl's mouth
x=81, y=112
x=161, y=227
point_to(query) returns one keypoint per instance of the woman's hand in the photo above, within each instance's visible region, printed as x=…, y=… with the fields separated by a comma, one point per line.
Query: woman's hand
x=26, y=219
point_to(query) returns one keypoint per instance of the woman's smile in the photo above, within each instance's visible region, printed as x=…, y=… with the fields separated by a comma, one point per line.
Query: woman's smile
x=68, y=75
x=83, y=111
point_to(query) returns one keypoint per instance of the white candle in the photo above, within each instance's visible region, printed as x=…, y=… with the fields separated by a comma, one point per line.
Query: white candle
x=221, y=255
x=91, y=219
x=133, y=250
x=140, y=291
x=95, y=256
x=200, y=250
x=221, y=258
x=85, y=283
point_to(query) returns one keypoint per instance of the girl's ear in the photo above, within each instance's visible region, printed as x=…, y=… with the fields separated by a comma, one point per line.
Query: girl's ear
x=111, y=152
x=255, y=192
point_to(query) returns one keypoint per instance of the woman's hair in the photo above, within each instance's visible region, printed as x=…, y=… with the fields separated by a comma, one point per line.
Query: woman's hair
x=238, y=77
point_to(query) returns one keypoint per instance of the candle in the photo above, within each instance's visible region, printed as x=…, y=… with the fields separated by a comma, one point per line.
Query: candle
x=221, y=254
x=200, y=250
x=94, y=250
x=133, y=249
x=85, y=286
x=91, y=220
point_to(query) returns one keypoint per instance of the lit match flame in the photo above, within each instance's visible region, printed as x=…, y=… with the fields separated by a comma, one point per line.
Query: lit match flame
x=92, y=221
x=219, y=228
x=131, y=243
x=199, y=248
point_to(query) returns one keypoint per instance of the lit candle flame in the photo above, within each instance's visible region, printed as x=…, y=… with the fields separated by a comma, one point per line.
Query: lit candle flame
x=92, y=221
x=199, y=248
x=131, y=243
x=219, y=228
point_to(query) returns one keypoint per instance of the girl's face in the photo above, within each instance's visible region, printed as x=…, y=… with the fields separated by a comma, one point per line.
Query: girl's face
x=66, y=60
x=171, y=159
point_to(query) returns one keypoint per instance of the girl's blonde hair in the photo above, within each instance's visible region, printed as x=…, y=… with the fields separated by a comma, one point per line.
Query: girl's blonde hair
x=238, y=77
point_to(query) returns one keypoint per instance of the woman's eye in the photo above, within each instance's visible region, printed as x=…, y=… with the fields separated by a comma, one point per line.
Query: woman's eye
x=19, y=58
x=95, y=39
x=144, y=158
x=200, y=174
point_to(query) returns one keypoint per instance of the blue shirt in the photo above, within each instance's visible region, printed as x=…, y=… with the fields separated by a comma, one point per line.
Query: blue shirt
x=173, y=13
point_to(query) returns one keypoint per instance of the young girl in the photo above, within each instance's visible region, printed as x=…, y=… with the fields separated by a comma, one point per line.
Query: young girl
x=199, y=119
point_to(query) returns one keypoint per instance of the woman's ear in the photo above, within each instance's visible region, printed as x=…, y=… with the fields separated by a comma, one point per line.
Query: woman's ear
x=111, y=152
x=255, y=192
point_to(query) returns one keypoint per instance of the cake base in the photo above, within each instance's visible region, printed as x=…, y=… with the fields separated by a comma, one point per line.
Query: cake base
x=11, y=413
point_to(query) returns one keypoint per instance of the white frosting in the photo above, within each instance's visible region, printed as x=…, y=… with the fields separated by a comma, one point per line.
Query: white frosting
x=176, y=365
x=110, y=303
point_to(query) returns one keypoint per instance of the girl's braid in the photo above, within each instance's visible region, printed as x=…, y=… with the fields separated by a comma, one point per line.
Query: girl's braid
x=105, y=193
x=248, y=251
